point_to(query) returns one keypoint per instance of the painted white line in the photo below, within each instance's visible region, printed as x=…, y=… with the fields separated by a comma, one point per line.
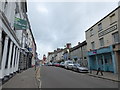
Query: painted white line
x=40, y=83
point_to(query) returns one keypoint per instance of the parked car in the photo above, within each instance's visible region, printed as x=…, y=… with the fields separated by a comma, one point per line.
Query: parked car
x=62, y=64
x=77, y=67
x=56, y=64
x=70, y=66
x=49, y=64
x=68, y=63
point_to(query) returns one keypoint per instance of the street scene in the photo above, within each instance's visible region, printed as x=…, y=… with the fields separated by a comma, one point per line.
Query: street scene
x=59, y=44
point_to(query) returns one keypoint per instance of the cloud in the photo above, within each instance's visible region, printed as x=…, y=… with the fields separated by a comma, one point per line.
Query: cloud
x=54, y=24
x=42, y=9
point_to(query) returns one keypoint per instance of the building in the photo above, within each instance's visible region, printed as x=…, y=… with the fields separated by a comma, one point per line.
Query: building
x=9, y=42
x=103, y=43
x=79, y=53
x=50, y=56
x=66, y=54
x=14, y=47
x=59, y=55
x=31, y=44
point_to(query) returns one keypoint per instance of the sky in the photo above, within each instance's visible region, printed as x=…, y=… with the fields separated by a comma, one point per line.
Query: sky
x=56, y=23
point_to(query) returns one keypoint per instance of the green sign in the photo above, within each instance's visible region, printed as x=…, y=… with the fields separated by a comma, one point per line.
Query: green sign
x=20, y=24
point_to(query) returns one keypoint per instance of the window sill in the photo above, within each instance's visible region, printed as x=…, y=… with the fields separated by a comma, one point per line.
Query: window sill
x=113, y=23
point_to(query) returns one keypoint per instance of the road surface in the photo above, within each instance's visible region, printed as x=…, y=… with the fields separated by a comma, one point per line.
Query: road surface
x=56, y=77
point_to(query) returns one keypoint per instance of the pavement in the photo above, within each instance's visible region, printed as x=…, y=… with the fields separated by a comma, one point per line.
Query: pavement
x=25, y=79
x=106, y=75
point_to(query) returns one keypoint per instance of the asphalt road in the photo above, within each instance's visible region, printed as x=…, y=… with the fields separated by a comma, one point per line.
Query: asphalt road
x=56, y=77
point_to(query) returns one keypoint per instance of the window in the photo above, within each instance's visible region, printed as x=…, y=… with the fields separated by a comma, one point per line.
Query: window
x=15, y=56
x=91, y=32
x=101, y=42
x=115, y=37
x=8, y=52
x=112, y=18
x=5, y=6
x=100, y=26
x=93, y=45
x=12, y=55
x=17, y=8
x=3, y=40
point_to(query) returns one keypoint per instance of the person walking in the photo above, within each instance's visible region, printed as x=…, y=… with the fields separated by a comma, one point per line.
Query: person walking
x=99, y=70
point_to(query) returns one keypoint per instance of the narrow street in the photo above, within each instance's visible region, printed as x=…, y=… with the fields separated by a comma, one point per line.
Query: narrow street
x=55, y=77
x=39, y=37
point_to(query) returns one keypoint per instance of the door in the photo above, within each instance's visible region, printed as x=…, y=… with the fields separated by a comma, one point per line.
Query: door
x=108, y=62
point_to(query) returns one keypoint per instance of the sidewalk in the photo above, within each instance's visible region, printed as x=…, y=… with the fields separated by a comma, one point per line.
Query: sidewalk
x=25, y=79
x=106, y=75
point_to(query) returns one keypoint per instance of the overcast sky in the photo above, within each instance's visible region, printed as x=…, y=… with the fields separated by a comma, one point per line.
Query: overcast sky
x=56, y=23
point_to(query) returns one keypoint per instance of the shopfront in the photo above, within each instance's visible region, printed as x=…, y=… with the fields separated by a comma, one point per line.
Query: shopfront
x=103, y=58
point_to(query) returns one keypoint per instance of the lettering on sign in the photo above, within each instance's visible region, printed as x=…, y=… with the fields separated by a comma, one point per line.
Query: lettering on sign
x=107, y=30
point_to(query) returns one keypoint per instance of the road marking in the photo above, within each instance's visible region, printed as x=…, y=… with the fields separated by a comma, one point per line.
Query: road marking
x=40, y=83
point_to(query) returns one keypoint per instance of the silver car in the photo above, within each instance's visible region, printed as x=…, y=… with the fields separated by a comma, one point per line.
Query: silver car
x=70, y=65
x=79, y=68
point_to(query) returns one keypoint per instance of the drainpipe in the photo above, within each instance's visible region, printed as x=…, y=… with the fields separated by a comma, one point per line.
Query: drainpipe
x=0, y=47
x=113, y=61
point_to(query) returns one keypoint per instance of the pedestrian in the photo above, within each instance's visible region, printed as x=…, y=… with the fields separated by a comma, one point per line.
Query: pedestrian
x=99, y=70
x=90, y=70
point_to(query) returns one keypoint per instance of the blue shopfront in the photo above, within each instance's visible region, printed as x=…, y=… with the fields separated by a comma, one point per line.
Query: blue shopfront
x=103, y=58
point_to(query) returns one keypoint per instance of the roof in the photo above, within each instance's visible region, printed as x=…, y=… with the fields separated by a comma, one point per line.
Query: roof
x=102, y=19
x=78, y=46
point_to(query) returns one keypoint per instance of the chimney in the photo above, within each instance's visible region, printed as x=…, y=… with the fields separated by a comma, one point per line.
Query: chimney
x=58, y=49
x=68, y=45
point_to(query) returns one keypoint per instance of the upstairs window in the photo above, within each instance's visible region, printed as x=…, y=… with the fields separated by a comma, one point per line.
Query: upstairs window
x=115, y=37
x=100, y=26
x=93, y=45
x=112, y=19
x=91, y=32
x=101, y=42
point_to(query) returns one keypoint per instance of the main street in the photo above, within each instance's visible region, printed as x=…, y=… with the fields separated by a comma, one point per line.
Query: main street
x=56, y=77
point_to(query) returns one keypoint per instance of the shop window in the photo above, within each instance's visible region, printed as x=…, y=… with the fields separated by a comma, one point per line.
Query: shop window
x=8, y=52
x=3, y=40
x=106, y=60
x=15, y=56
x=11, y=56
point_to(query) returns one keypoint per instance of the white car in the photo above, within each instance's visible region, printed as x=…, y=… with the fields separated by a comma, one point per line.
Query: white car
x=68, y=64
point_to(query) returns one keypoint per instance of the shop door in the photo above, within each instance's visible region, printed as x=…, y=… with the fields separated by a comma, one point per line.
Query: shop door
x=100, y=62
x=93, y=63
x=108, y=62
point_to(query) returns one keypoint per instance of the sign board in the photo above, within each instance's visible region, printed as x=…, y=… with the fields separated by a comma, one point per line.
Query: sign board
x=20, y=24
